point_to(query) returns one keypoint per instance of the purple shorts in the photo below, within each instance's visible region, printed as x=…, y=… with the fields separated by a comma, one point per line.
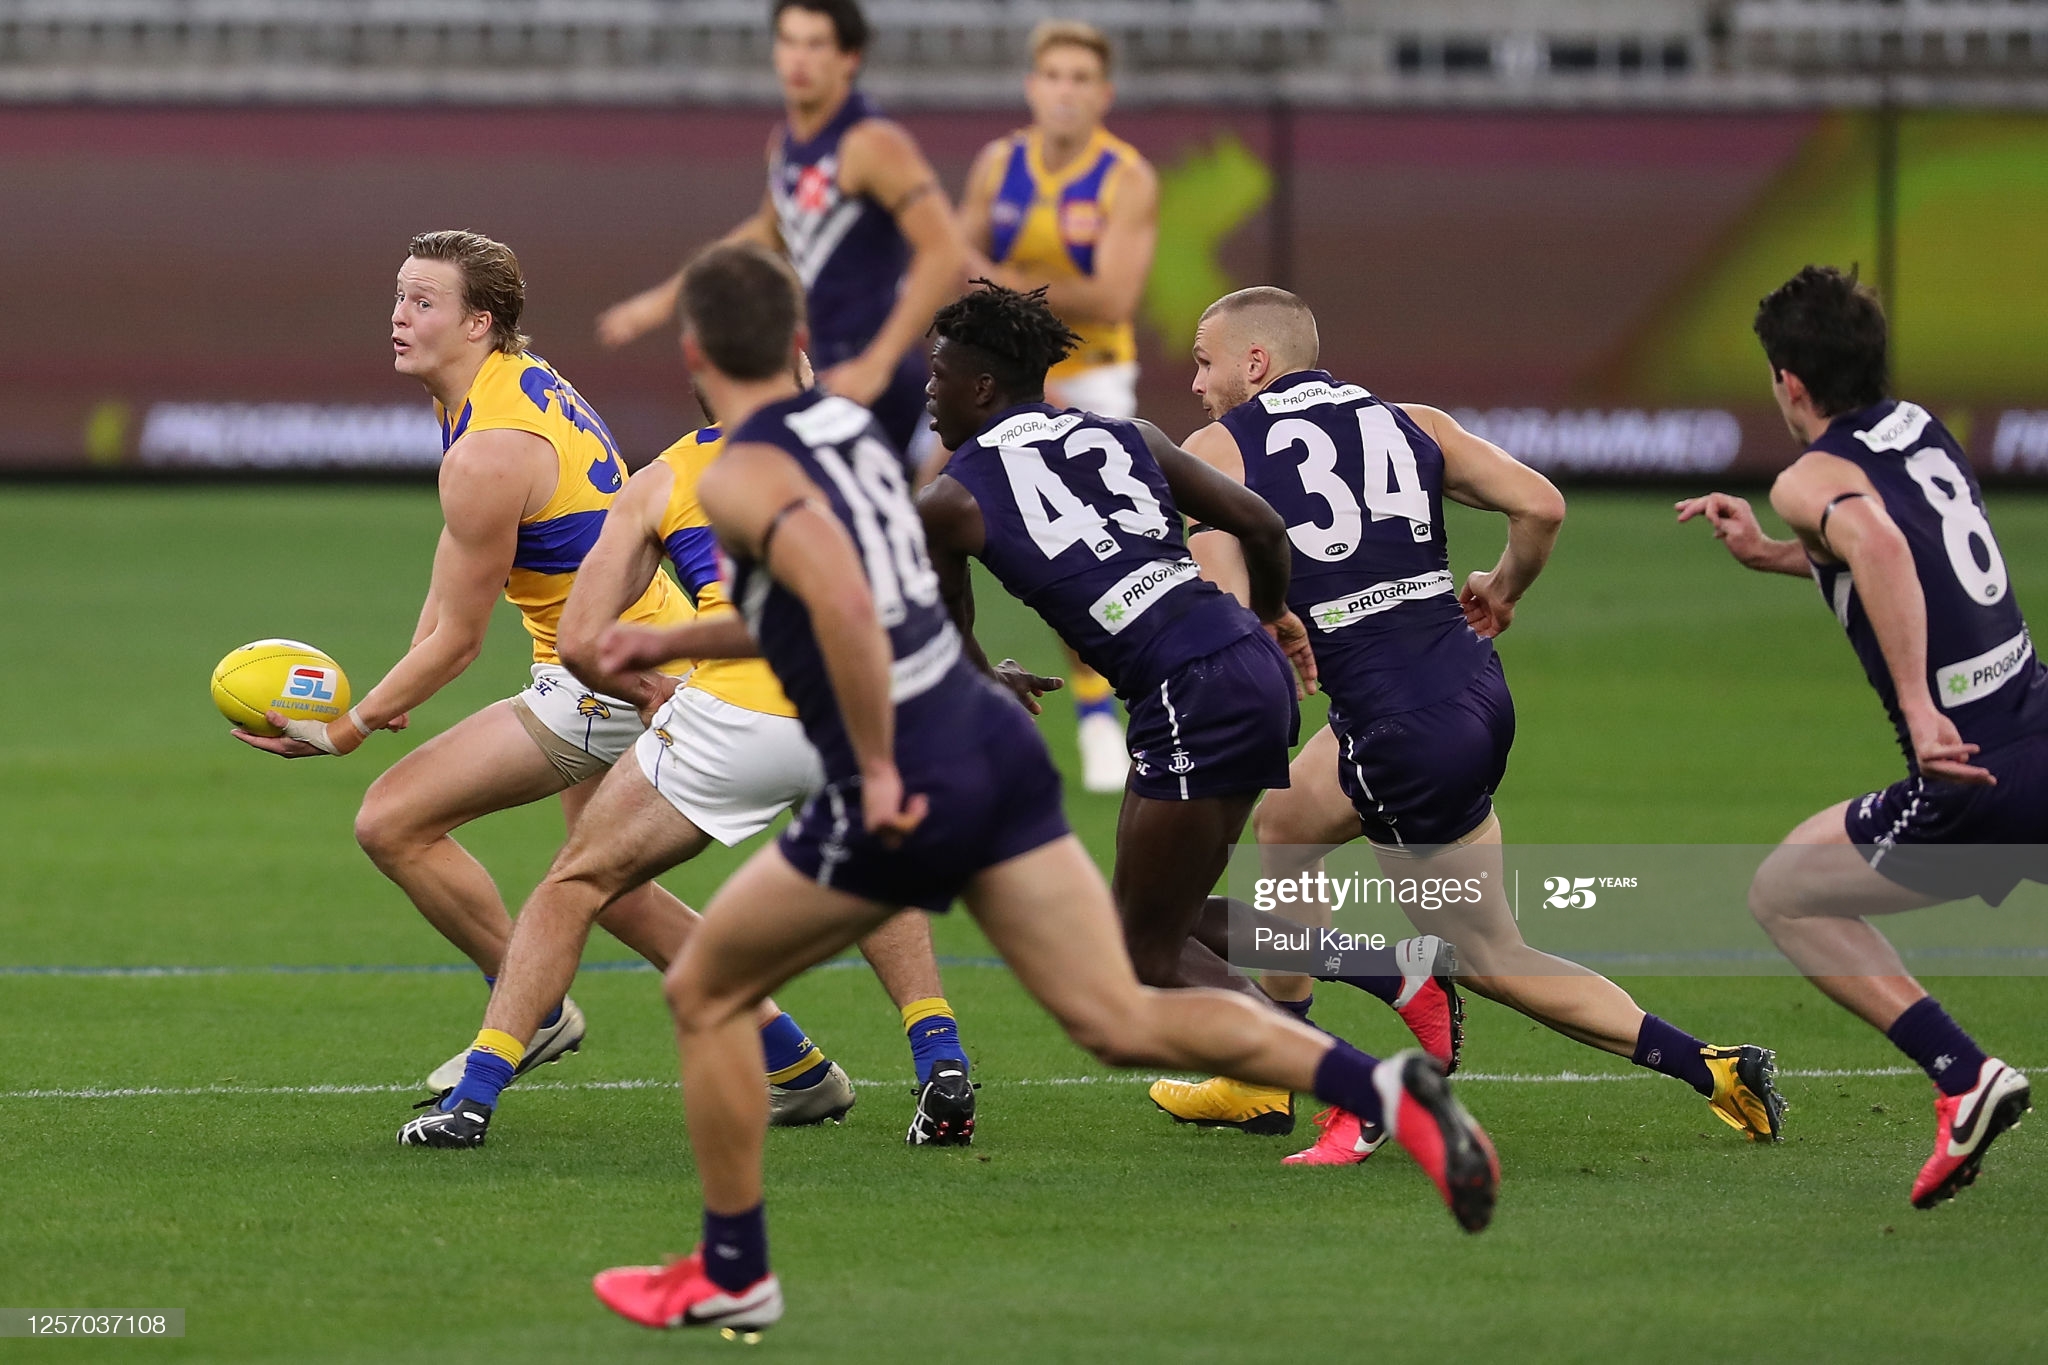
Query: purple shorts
x=1221, y=725
x=1951, y=841
x=1428, y=776
x=977, y=758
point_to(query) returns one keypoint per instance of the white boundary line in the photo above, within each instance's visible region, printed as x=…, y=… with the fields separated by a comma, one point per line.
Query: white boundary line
x=669, y=1083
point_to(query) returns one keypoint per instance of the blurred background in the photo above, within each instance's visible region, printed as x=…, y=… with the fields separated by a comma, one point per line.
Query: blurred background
x=1553, y=217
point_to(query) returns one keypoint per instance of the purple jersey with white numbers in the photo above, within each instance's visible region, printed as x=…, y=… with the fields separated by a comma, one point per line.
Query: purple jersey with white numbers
x=1081, y=528
x=847, y=250
x=841, y=449
x=1360, y=486
x=1981, y=668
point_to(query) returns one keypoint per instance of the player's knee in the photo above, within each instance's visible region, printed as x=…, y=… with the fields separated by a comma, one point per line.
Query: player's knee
x=379, y=831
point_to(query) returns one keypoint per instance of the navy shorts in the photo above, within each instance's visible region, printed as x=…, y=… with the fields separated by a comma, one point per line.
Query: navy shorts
x=994, y=794
x=1222, y=725
x=1428, y=776
x=1943, y=839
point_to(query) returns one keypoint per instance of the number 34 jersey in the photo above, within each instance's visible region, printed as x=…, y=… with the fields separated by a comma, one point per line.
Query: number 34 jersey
x=1079, y=526
x=1360, y=486
x=1981, y=667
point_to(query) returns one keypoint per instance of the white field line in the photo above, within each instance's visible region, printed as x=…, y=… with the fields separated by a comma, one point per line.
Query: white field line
x=669, y=1083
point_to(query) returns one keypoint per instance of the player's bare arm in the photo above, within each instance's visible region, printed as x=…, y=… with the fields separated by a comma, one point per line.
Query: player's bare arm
x=1223, y=505
x=881, y=161
x=976, y=229
x=633, y=318
x=954, y=533
x=488, y=480
x=1123, y=254
x=1480, y=474
x=1838, y=516
x=613, y=575
x=1735, y=526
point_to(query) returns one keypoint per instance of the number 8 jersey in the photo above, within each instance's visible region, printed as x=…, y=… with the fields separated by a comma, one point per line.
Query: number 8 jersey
x=1080, y=527
x=843, y=451
x=1981, y=668
x=1360, y=486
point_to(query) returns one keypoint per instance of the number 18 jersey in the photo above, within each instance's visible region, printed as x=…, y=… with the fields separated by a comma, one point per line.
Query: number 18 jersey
x=1080, y=526
x=1360, y=486
x=1981, y=667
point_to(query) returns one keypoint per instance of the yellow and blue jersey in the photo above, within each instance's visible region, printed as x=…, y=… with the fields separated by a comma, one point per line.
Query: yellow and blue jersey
x=1048, y=225
x=687, y=537
x=523, y=393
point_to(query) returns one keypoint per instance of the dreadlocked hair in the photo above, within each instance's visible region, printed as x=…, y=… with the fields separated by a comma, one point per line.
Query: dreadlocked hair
x=1017, y=335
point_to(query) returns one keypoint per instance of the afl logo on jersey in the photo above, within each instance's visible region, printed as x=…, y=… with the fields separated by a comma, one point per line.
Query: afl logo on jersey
x=1080, y=222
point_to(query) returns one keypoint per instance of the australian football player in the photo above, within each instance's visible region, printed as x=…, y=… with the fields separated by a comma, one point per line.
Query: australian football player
x=1066, y=205
x=528, y=473
x=1888, y=520
x=937, y=787
x=1080, y=516
x=1420, y=717
x=856, y=209
x=722, y=758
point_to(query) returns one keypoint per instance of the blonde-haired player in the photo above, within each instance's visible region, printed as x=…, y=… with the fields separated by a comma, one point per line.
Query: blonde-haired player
x=527, y=475
x=1067, y=205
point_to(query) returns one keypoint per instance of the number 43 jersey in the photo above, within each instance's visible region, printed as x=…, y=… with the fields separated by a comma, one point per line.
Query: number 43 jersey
x=1981, y=668
x=1080, y=527
x=1360, y=486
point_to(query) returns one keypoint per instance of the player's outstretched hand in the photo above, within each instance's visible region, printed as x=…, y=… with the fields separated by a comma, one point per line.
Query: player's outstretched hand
x=1488, y=610
x=623, y=648
x=1940, y=752
x=885, y=811
x=627, y=322
x=1028, y=686
x=303, y=738
x=1733, y=520
x=1292, y=636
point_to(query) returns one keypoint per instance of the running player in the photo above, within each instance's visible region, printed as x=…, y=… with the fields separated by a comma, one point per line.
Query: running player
x=1079, y=516
x=1420, y=716
x=1889, y=521
x=937, y=787
x=528, y=472
x=1066, y=205
x=855, y=207
x=723, y=757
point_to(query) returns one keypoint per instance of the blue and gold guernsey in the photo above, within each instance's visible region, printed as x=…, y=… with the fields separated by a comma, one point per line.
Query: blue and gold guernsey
x=1981, y=667
x=1360, y=486
x=1048, y=223
x=1080, y=526
x=692, y=548
x=522, y=392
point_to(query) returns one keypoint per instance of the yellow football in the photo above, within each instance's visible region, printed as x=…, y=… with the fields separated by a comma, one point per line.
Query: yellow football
x=285, y=676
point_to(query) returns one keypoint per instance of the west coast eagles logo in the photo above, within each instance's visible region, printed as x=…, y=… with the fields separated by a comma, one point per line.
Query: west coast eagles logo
x=1080, y=222
x=590, y=708
x=668, y=741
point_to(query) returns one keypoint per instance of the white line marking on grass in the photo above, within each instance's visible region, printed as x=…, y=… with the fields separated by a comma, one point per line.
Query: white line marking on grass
x=669, y=1083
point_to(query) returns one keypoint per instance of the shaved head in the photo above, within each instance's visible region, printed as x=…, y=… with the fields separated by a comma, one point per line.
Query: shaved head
x=1248, y=339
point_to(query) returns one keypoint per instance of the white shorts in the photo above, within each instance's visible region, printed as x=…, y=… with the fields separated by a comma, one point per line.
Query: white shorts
x=1107, y=390
x=730, y=771
x=582, y=732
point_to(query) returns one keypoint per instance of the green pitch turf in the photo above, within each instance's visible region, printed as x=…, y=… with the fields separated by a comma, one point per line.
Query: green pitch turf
x=1664, y=696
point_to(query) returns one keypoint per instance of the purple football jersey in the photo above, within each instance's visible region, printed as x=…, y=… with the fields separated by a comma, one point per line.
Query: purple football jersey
x=1360, y=486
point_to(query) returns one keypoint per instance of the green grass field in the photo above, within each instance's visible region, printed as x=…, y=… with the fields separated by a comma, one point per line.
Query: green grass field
x=1664, y=695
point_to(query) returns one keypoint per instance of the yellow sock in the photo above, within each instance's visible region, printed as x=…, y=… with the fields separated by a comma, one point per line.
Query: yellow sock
x=501, y=1044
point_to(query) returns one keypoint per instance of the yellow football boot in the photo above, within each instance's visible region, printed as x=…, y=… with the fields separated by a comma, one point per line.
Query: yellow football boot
x=1746, y=1094
x=1220, y=1102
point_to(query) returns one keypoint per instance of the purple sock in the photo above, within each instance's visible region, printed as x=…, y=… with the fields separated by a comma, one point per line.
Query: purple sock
x=735, y=1248
x=1298, y=1008
x=1672, y=1051
x=1949, y=1056
x=1383, y=988
x=1344, y=1078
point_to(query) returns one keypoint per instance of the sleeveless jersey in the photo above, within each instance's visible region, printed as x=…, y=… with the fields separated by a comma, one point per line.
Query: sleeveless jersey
x=692, y=549
x=1081, y=528
x=1360, y=486
x=523, y=393
x=1047, y=224
x=1981, y=667
x=847, y=251
x=839, y=447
